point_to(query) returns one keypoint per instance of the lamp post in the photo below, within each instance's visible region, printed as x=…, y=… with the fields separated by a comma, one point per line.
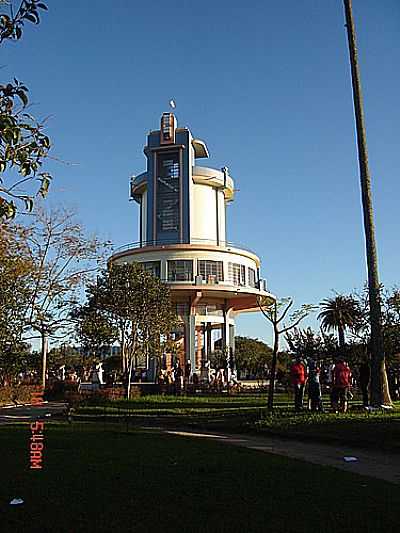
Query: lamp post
x=378, y=372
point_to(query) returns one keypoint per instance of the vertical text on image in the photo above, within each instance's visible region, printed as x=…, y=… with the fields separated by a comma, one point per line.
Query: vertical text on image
x=37, y=434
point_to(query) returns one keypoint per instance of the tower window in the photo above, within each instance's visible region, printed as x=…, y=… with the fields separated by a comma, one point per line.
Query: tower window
x=252, y=277
x=237, y=273
x=167, y=128
x=210, y=270
x=180, y=270
x=167, y=190
x=153, y=267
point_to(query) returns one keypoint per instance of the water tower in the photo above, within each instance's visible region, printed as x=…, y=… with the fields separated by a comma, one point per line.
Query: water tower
x=182, y=240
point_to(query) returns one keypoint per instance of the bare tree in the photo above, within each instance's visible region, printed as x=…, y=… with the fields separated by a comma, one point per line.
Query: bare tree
x=64, y=259
x=276, y=315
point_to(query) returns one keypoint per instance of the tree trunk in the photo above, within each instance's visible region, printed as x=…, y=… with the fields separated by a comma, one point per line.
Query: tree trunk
x=128, y=387
x=378, y=372
x=271, y=389
x=342, y=342
x=124, y=369
x=44, y=350
x=387, y=400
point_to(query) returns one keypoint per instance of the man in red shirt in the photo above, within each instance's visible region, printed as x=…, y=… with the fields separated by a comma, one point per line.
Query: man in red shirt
x=341, y=382
x=298, y=376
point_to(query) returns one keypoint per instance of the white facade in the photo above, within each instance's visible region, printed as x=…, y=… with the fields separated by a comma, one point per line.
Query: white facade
x=210, y=280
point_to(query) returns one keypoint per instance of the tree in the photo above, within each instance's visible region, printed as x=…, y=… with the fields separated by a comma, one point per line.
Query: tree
x=276, y=315
x=305, y=343
x=93, y=326
x=23, y=144
x=15, y=282
x=139, y=304
x=64, y=354
x=17, y=358
x=391, y=324
x=390, y=321
x=252, y=355
x=378, y=371
x=64, y=260
x=340, y=313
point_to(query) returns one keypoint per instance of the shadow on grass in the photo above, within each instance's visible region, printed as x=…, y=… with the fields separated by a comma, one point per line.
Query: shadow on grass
x=99, y=478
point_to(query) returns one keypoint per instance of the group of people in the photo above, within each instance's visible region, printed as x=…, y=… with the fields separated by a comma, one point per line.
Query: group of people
x=180, y=378
x=308, y=372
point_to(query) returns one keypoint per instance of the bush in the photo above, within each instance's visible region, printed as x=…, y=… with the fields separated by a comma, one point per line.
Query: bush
x=59, y=390
x=12, y=394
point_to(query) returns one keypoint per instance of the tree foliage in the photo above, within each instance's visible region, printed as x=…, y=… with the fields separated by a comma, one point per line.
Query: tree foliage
x=43, y=268
x=341, y=313
x=308, y=343
x=139, y=305
x=15, y=285
x=253, y=356
x=65, y=354
x=64, y=259
x=94, y=328
x=24, y=146
x=390, y=305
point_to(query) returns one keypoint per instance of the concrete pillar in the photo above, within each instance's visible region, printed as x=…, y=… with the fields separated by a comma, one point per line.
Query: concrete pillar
x=199, y=351
x=228, y=341
x=191, y=330
x=208, y=340
x=190, y=333
x=232, y=346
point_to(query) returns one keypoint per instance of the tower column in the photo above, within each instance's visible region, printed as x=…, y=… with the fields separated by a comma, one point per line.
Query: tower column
x=208, y=340
x=199, y=351
x=228, y=340
x=191, y=331
x=232, y=347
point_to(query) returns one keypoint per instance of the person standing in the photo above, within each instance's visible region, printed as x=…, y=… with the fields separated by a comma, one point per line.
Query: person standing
x=363, y=381
x=314, y=386
x=298, y=376
x=178, y=374
x=341, y=385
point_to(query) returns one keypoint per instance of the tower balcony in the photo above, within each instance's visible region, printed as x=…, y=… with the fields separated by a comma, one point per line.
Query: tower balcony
x=220, y=271
x=162, y=244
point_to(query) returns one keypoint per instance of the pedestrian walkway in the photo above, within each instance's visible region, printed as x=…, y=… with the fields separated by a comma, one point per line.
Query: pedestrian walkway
x=371, y=463
x=23, y=413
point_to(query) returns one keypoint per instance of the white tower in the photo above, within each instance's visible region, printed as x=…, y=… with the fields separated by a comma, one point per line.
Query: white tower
x=182, y=240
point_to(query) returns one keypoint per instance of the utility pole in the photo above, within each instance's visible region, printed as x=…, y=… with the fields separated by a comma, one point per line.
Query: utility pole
x=378, y=371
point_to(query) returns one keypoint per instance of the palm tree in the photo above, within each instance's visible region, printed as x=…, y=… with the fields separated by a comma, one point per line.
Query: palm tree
x=379, y=390
x=340, y=313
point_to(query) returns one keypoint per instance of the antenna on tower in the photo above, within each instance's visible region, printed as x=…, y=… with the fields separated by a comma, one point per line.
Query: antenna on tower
x=225, y=171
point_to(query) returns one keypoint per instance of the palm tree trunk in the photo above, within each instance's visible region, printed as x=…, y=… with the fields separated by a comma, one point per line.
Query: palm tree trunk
x=378, y=373
x=342, y=341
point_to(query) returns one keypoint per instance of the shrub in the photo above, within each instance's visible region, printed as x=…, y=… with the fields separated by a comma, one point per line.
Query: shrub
x=16, y=393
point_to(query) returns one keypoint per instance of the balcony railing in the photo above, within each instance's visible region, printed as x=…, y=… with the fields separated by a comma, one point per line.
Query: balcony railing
x=198, y=281
x=169, y=242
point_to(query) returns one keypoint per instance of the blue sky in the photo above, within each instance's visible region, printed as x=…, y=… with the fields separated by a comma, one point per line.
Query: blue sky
x=266, y=84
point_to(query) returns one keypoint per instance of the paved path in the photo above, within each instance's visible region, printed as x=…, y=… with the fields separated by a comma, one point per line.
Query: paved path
x=369, y=462
x=22, y=413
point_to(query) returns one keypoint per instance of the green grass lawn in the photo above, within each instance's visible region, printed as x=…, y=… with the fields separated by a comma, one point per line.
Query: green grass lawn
x=98, y=478
x=238, y=413
x=380, y=430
